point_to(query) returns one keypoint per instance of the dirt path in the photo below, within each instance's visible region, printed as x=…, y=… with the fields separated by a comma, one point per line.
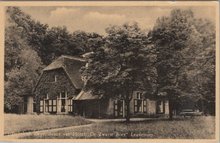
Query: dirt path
x=20, y=135
x=119, y=120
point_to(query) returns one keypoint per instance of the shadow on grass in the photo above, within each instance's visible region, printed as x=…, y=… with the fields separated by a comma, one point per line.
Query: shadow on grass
x=157, y=120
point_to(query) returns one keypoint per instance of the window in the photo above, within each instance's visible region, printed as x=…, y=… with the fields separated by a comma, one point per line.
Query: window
x=41, y=106
x=139, y=95
x=46, y=96
x=115, y=108
x=145, y=106
x=52, y=78
x=63, y=104
x=118, y=108
x=63, y=98
x=34, y=107
x=55, y=78
x=137, y=105
x=52, y=106
x=140, y=104
x=70, y=105
x=46, y=107
x=63, y=95
x=160, y=107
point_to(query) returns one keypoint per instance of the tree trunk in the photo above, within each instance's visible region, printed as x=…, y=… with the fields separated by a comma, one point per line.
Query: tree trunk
x=170, y=109
x=202, y=104
x=127, y=102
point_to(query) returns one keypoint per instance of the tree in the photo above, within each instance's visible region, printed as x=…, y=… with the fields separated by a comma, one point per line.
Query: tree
x=51, y=42
x=21, y=80
x=22, y=64
x=87, y=42
x=118, y=68
x=201, y=72
x=179, y=41
x=33, y=31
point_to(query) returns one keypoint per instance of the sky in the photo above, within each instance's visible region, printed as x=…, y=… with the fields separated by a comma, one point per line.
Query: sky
x=96, y=19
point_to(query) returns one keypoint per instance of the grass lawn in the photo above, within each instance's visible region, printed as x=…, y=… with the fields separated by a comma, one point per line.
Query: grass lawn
x=23, y=123
x=188, y=128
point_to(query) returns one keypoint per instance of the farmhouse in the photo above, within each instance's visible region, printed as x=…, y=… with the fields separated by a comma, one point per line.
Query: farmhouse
x=59, y=91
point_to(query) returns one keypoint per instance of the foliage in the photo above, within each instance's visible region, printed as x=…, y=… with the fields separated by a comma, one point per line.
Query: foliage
x=32, y=31
x=23, y=79
x=22, y=65
x=119, y=67
x=183, y=53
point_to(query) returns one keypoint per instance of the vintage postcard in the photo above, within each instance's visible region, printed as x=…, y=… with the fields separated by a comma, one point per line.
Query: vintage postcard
x=137, y=71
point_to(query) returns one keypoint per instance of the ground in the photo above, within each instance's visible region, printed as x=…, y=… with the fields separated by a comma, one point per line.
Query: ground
x=181, y=128
x=15, y=123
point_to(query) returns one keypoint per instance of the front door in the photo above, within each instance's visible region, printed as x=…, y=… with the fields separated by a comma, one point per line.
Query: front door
x=25, y=105
x=63, y=105
x=79, y=108
x=119, y=108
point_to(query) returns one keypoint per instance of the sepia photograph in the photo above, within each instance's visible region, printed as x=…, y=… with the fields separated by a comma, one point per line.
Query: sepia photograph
x=110, y=72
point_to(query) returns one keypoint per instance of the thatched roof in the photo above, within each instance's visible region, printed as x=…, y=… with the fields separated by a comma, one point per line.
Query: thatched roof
x=71, y=66
x=63, y=61
x=87, y=95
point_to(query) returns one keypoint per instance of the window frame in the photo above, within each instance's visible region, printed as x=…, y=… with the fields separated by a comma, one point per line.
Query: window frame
x=54, y=105
x=46, y=105
x=55, y=78
x=41, y=106
x=162, y=104
x=145, y=106
x=61, y=98
x=118, y=113
x=70, y=105
x=140, y=104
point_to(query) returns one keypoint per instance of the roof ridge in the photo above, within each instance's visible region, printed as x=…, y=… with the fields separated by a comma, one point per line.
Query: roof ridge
x=72, y=57
x=61, y=61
